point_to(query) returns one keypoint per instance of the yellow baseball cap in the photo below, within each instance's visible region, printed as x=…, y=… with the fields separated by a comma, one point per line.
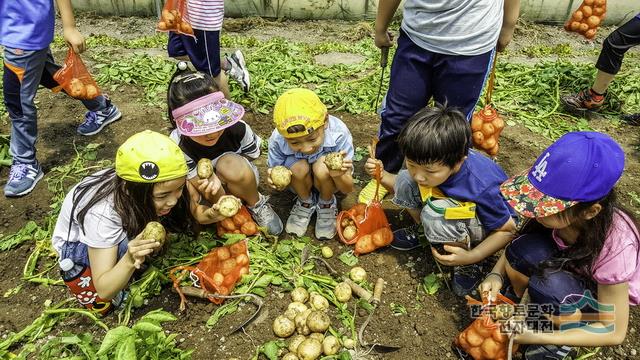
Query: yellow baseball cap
x=150, y=157
x=299, y=107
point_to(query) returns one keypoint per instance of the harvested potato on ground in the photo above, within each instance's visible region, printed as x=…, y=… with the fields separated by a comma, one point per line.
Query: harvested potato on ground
x=330, y=345
x=298, y=307
x=229, y=205
x=334, y=160
x=280, y=176
x=358, y=274
x=318, y=302
x=349, y=232
x=349, y=343
x=318, y=321
x=154, y=230
x=301, y=322
x=205, y=168
x=317, y=336
x=300, y=295
x=290, y=356
x=310, y=349
x=294, y=342
x=327, y=252
x=343, y=292
x=283, y=327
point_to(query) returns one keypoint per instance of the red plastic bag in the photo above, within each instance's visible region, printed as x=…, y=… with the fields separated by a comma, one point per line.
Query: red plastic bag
x=364, y=225
x=74, y=78
x=483, y=339
x=173, y=18
x=240, y=223
x=587, y=18
x=486, y=124
x=218, y=272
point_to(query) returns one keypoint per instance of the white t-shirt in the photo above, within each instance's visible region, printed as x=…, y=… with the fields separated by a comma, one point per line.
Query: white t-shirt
x=454, y=27
x=102, y=225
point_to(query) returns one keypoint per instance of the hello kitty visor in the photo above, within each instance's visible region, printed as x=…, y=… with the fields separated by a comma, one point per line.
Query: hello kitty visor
x=208, y=114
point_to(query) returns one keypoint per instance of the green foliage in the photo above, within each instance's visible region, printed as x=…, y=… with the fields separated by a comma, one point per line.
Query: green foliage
x=431, y=284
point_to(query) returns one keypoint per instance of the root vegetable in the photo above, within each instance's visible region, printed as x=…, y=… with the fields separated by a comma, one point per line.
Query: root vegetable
x=283, y=327
x=343, y=292
x=229, y=205
x=205, y=168
x=249, y=228
x=294, y=342
x=330, y=345
x=240, y=219
x=349, y=232
x=475, y=353
x=223, y=253
x=478, y=137
x=229, y=280
x=575, y=25
x=358, y=274
x=360, y=218
x=290, y=356
x=365, y=245
x=583, y=28
x=309, y=349
x=298, y=307
x=473, y=338
x=346, y=222
x=300, y=295
x=599, y=11
x=280, y=176
x=490, y=348
x=488, y=129
x=348, y=343
x=162, y=25
x=317, y=336
x=382, y=237
x=154, y=230
x=318, y=302
x=237, y=248
x=577, y=16
x=228, y=224
x=290, y=314
x=243, y=271
x=587, y=11
x=301, y=322
x=489, y=142
x=318, y=321
x=92, y=91
x=218, y=279
x=228, y=266
x=326, y=252
x=593, y=21
x=334, y=160
x=498, y=336
x=242, y=259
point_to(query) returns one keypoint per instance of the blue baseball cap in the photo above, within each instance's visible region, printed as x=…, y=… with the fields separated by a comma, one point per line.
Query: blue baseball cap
x=579, y=167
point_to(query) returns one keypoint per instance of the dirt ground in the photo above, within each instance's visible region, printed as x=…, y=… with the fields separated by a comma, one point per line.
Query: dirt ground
x=427, y=329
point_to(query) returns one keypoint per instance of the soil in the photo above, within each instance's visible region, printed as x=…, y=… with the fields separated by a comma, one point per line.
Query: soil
x=431, y=322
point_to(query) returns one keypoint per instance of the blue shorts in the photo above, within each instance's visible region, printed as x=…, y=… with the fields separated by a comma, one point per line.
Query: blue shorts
x=203, y=51
x=559, y=289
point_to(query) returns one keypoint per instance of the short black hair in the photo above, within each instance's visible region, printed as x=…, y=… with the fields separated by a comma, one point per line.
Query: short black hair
x=438, y=134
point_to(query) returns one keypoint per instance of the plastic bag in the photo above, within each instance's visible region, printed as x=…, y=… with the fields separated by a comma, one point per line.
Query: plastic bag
x=587, y=18
x=218, y=272
x=364, y=225
x=486, y=123
x=240, y=223
x=173, y=18
x=74, y=78
x=483, y=339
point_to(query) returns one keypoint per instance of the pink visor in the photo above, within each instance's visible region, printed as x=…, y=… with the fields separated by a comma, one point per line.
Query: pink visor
x=206, y=115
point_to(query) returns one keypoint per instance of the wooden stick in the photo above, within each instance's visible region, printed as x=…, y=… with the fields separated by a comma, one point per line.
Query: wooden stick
x=377, y=291
x=194, y=292
x=358, y=290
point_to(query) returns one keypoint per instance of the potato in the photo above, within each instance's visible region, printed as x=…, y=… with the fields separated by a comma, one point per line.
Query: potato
x=249, y=228
x=280, y=176
x=228, y=266
x=162, y=25
x=326, y=252
x=343, y=292
x=242, y=259
x=92, y=91
x=229, y=205
x=488, y=129
x=349, y=232
x=154, y=230
x=358, y=274
x=186, y=28
x=473, y=338
x=348, y=343
x=283, y=327
x=290, y=356
x=205, y=168
x=290, y=314
x=317, y=336
x=300, y=295
x=298, y=307
x=318, y=321
x=218, y=279
x=318, y=302
x=237, y=248
x=223, y=253
x=489, y=348
x=330, y=345
x=478, y=137
x=301, y=322
x=334, y=160
x=309, y=349
x=244, y=271
x=77, y=89
x=294, y=342
x=365, y=245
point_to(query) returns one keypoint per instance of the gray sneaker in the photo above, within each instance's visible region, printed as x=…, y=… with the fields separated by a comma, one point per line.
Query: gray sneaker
x=326, y=221
x=22, y=179
x=264, y=215
x=238, y=70
x=300, y=216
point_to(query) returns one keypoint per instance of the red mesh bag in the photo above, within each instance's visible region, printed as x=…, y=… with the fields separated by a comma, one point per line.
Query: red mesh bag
x=587, y=18
x=218, y=272
x=74, y=78
x=240, y=223
x=173, y=18
x=483, y=339
x=364, y=225
x=486, y=123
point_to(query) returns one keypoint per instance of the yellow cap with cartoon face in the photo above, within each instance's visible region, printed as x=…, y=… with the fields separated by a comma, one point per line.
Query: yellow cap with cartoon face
x=299, y=107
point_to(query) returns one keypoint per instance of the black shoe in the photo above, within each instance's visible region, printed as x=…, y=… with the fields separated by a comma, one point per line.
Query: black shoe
x=548, y=352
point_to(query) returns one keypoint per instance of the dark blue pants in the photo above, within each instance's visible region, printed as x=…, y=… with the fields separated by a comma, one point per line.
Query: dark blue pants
x=417, y=75
x=203, y=51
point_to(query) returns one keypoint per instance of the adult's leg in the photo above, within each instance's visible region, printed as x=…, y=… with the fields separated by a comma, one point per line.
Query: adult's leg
x=614, y=48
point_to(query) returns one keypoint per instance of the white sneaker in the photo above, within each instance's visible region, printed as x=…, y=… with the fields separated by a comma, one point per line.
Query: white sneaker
x=326, y=221
x=238, y=69
x=300, y=217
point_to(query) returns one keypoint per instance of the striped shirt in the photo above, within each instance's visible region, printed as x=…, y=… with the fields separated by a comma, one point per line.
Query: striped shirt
x=205, y=14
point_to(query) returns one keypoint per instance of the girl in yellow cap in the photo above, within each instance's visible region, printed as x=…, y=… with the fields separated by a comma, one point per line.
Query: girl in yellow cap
x=99, y=232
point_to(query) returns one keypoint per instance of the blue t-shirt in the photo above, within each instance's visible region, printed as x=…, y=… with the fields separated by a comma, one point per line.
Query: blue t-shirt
x=26, y=24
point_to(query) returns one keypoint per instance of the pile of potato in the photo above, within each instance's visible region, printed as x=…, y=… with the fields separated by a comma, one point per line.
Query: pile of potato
x=486, y=126
x=79, y=90
x=348, y=228
x=224, y=266
x=240, y=223
x=172, y=20
x=587, y=18
x=483, y=339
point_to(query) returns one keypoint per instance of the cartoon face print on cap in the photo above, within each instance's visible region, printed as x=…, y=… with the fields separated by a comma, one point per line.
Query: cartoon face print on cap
x=148, y=170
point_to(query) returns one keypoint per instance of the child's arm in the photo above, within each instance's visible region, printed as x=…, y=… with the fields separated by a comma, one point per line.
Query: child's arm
x=203, y=214
x=497, y=240
x=511, y=13
x=69, y=30
x=386, y=10
x=387, y=180
x=211, y=189
x=596, y=333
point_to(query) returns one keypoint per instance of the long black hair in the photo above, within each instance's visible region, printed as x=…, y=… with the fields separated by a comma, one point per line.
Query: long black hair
x=186, y=86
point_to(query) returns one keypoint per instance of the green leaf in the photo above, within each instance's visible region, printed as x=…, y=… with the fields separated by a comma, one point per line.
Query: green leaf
x=348, y=258
x=127, y=350
x=159, y=316
x=113, y=337
x=147, y=326
x=222, y=311
x=431, y=284
x=271, y=349
x=264, y=281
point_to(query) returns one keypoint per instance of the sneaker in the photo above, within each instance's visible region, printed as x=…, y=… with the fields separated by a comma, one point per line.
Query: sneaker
x=22, y=179
x=94, y=121
x=582, y=101
x=368, y=192
x=326, y=227
x=238, y=69
x=632, y=119
x=548, y=352
x=300, y=217
x=263, y=214
x=407, y=238
x=467, y=278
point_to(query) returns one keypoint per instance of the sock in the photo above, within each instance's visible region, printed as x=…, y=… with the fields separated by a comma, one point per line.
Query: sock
x=308, y=200
x=326, y=202
x=593, y=92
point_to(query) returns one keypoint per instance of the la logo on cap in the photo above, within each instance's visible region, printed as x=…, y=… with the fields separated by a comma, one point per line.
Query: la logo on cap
x=540, y=170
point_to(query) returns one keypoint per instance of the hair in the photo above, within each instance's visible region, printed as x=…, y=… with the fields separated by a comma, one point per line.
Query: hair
x=132, y=201
x=438, y=134
x=592, y=235
x=296, y=129
x=186, y=86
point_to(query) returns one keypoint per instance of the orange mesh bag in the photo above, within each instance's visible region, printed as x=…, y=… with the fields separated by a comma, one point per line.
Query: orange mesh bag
x=486, y=123
x=218, y=272
x=173, y=18
x=366, y=226
x=587, y=18
x=240, y=223
x=483, y=339
x=74, y=78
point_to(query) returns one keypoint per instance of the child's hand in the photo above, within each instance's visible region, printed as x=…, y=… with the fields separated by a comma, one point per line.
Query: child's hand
x=210, y=187
x=347, y=165
x=75, y=39
x=491, y=285
x=139, y=249
x=370, y=166
x=457, y=256
x=270, y=182
x=383, y=39
x=213, y=214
